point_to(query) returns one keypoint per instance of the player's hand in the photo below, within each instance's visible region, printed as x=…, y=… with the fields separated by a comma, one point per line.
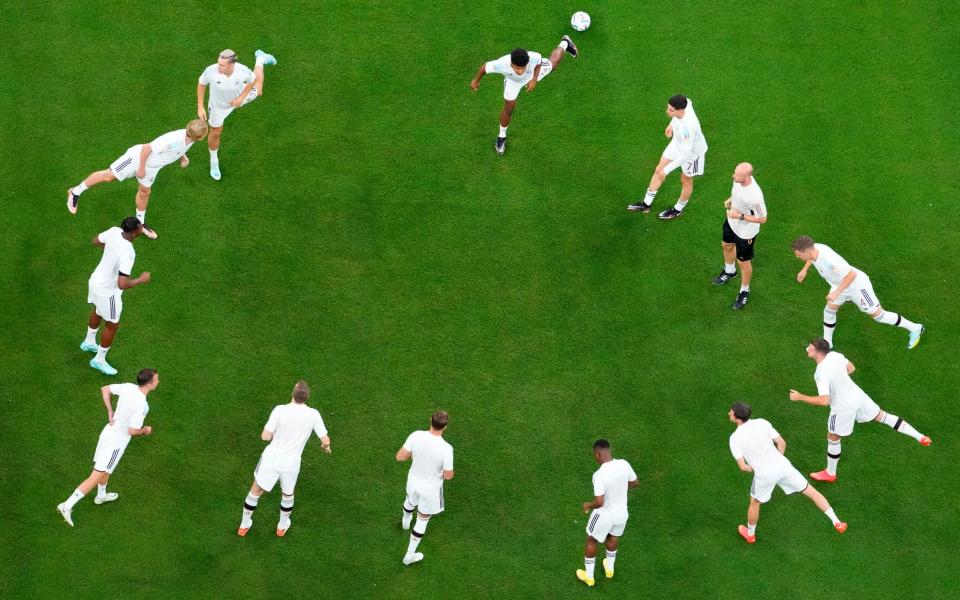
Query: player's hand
x=474, y=84
x=734, y=213
x=327, y=450
x=587, y=507
x=147, y=430
x=832, y=297
x=201, y=113
x=110, y=417
x=184, y=161
x=236, y=102
x=801, y=275
x=726, y=203
x=141, y=172
x=145, y=277
x=794, y=395
x=531, y=85
x=669, y=131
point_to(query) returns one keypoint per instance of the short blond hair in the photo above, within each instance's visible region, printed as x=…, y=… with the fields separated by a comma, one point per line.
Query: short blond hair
x=197, y=129
x=228, y=55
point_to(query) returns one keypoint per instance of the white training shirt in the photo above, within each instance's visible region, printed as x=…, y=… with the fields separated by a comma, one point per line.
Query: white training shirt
x=291, y=425
x=224, y=88
x=748, y=200
x=687, y=138
x=167, y=148
x=431, y=456
x=502, y=66
x=834, y=381
x=132, y=409
x=832, y=267
x=118, y=257
x=753, y=442
x=610, y=481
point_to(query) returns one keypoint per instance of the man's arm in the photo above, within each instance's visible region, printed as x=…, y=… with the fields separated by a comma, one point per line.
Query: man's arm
x=107, y=401
x=475, y=83
x=201, y=92
x=633, y=484
x=744, y=466
x=266, y=435
x=403, y=454
x=844, y=284
x=597, y=502
x=781, y=444
x=124, y=282
x=145, y=430
x=243, y=94
x=758, y=218
x=850, y=368
x=96, y=241
x=448, y=474
x=536, y=75
x=814, y=400
x=803, y=272
x=325, y=444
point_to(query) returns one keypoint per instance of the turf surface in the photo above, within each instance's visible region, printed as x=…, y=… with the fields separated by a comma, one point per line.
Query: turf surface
x=366, y=238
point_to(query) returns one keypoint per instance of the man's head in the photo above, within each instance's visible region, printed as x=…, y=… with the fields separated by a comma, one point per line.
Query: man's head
x=197, y=129
x=676, y=105
x=301, y=391
x=226, y=61
x=803, y=247
x=740, y=412
x=439, y=420
x=742, y=173
x=148, y=379
x=519, y=59
x=818, y=348
x=132, y=227
x=601, y=451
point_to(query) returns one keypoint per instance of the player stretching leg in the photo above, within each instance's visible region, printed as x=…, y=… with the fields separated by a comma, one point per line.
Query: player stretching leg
x=687, y=149
x=105, y=288
x=609, y=515
x=232, y=85
x=143, y=161
x=288, y=429
x=520, y=68
x=431, y=465
x=847, y=284
x=848, y=404
x=122, y=424
x=751, y=446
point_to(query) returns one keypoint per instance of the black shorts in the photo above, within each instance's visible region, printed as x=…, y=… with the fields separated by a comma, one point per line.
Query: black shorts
x=744, y=247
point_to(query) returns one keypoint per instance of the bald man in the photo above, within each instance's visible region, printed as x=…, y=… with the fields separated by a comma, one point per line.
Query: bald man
x=746, y=211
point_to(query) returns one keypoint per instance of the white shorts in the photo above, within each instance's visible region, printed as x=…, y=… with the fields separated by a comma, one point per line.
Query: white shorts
x=217, y=114
x=841, y=422
x=108, y=453
x=861, y=293
x=511, y=89
x=692, y=168
x=266, y=475
x=125, y=167
x=428, y=499
x=790, y=481
x=107, y=304
x=600, y=525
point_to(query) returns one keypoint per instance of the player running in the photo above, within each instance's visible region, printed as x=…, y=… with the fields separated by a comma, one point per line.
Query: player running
x=687, y=150
x=847, y=284
x=746, y=211
x=608, y=510
x=232, y=85
x=520, y=68
x=288, y=429
x=143, y=161
x=431, y=465
x=848, y=404
x=105, y=288
x=751, y=446
x=122, y=424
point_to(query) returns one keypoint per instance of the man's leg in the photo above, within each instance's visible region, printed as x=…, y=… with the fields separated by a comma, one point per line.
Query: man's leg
x=419, y=528
x=821, y=502
x=729, y=258
x=213, y=143
x=746, y=267
x=106, y=340
x=407, y=517
x=95, y=178
x=589, y=561
x=143, y=199
x=830, y=321
x=249, y=505
x=611, y=544
x=505, y=115
x=892, y=318
x=262, y=58
x=753, y=516
x=93, y=325
x=286, y=507
x=898, y=424
x=95, y=478
x=656, y=180
x=686, y=190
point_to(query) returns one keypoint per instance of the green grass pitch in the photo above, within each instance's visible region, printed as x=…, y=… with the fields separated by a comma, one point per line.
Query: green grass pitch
x=366, y=238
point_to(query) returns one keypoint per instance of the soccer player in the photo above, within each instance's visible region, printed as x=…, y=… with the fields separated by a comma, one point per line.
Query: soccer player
x=520, y=68
x=847, y=284
x=752, y=445
x=105, y=288
x=143, y=161
x=848, y=404
x=746, y=211
x=122, y=424
x=608, y=510
x=431, y=465
x=232, y=85
x=687, y=150
x=288, y=429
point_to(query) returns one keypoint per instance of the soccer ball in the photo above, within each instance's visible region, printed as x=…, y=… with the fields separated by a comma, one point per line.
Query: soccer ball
x=580, y=21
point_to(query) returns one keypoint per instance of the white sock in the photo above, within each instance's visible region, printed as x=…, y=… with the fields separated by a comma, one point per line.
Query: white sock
x=91, y=335
x=831, y=515
x=611, y=557
x=73, y=499
x=648, y=199
x=417, y=534
x=407, y=515
x=563, y=44
x=101, y=490
x=79, y=189
x=249, y=505
x=503, y=131
x=286, y=507
x=744, y=288
x=751, y=528
x=259, y=61
x=902, y=426
x=892, y=318
x=833, y=456
x=829, y=324
x=680, y=205
x=213, y=156
x=729, y=268
x=588, y=565
x=142, y=215
x=102, y=354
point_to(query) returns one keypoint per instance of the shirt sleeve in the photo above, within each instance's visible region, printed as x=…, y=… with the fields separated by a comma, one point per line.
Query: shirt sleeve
x=271, y=425
x=249, y=77
x=823, y=384
x=136, y=421
x=598, y=488
x=408, y=445
x=631, y=475
x=125, y=264
x=735, y=449
x=204, y=78
x=773, y=433
x=500, y=65
x=837, y=264
x=102, y=236
x=319, y=428
x=758, y=208
x=116, y=388
x=448, y=459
